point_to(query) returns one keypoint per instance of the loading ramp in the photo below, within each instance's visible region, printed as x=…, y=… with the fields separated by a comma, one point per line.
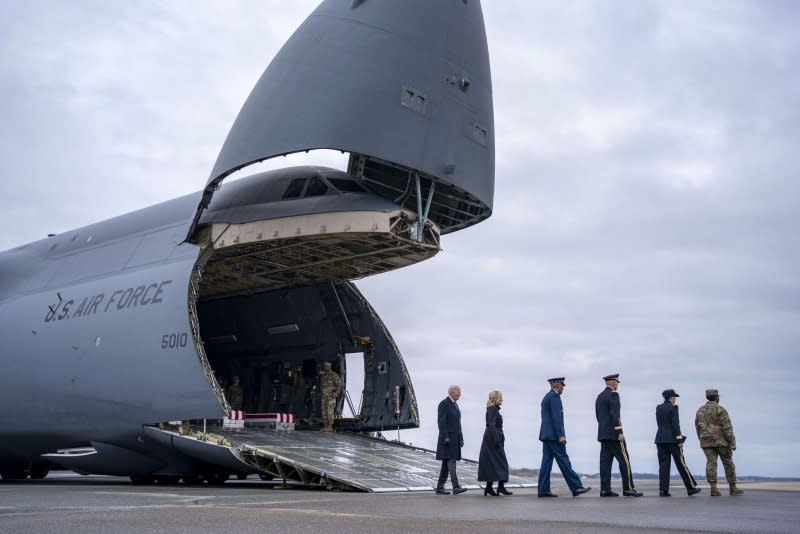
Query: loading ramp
x=334, y=460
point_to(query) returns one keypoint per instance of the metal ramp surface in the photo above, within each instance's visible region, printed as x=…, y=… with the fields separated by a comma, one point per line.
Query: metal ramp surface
x=348, y=461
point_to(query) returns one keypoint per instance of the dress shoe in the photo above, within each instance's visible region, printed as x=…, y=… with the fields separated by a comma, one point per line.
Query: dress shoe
x=442, y=491
x=693, y=491
x=609, y=494
x=580, y=491
x=458, y=490
x=501, y=490
x=632, y=493
x=489, y=491
x=666, y=494
x=548, y=494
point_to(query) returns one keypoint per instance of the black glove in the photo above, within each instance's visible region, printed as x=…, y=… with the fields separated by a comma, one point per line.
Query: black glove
x=446, y=441
x=461, y=444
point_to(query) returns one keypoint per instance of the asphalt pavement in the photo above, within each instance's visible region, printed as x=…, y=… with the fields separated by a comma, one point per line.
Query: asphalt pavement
x=72, y=503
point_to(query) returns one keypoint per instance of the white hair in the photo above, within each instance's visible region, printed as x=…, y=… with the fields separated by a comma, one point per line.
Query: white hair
x=453, y=388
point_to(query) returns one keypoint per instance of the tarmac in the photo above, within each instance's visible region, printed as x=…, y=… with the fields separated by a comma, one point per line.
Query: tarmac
x=73, y=503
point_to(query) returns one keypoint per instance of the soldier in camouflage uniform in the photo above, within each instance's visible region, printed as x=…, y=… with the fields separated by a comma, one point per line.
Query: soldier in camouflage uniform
x=715, y=432
x=330, y=386
x=235, y=394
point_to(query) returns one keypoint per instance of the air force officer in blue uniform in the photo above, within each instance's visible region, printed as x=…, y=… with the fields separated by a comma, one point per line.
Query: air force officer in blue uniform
x=554, y=443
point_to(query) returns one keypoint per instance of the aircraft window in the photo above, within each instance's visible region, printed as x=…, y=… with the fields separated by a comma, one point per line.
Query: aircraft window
x=295, y=188
x=316, y=187
x=346, y=186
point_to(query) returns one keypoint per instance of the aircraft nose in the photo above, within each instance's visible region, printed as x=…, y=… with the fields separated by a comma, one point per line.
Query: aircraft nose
x=406, y=82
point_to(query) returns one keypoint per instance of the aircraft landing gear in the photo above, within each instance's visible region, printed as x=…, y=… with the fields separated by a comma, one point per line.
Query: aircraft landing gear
x=13, y=474
x=143, y=480
x=38, y=472
x=217, y=479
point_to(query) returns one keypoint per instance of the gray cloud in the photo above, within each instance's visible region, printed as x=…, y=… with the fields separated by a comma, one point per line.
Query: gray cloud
x=645, y=213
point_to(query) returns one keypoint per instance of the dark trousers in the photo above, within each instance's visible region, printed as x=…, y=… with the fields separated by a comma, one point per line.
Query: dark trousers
x=448, y=466
x=553, y=450
x=665, y=452
x=608, y=451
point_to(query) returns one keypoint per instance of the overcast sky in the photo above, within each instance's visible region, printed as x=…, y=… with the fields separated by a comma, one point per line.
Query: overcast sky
x=645, y=219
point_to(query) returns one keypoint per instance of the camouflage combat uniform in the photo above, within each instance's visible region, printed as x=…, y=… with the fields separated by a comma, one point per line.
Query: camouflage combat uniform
x=715, y=432
x=330, y=386
x=235, y=395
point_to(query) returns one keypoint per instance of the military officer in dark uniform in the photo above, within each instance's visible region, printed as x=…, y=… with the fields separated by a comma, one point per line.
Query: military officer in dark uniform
x=554, y=442
x=669, y=442
x=448, y=446
x=612, y=440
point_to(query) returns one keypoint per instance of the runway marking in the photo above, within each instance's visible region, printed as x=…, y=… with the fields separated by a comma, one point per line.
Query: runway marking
x=270, y=503
x=181, y=505
x=144, y=493
x=322, y=512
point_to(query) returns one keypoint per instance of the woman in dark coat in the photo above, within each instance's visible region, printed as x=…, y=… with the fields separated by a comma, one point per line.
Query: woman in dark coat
x=492, y=463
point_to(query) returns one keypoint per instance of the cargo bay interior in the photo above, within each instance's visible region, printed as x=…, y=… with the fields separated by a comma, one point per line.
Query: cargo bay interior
x=272, y=300
x=277, y=341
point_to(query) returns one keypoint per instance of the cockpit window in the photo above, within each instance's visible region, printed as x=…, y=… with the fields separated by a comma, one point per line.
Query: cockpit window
x=346, y=186
x=295, y=188
x=316, y=187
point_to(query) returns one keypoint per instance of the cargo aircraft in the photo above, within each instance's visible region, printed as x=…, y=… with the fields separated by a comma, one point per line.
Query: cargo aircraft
x=116, y=336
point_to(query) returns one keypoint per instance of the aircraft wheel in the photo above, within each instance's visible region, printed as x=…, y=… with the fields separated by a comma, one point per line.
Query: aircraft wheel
x=217, y=479
x=241, y=476
x=265, y=476
x=193, y=480
x=167, y=480
x=14, y=474
x=143, y=480
x=38, y=473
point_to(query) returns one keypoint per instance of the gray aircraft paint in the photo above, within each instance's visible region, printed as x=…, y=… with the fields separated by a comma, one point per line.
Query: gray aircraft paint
x=98, y=369
x=84, y=315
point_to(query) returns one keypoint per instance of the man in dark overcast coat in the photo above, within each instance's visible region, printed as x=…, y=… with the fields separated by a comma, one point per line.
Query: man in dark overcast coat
x=448, y=446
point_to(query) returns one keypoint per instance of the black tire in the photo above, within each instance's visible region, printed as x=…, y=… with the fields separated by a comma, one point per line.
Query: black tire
x=266, y=477
x=13, y=474
x=38, y=473
x=143, y=480
x=194, y=480
x=241, y=476
x=217, y=479
x=167, y=480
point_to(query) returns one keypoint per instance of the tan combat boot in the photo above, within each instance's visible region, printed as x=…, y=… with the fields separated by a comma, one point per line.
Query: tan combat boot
x=735, y=490
x=714, y=491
